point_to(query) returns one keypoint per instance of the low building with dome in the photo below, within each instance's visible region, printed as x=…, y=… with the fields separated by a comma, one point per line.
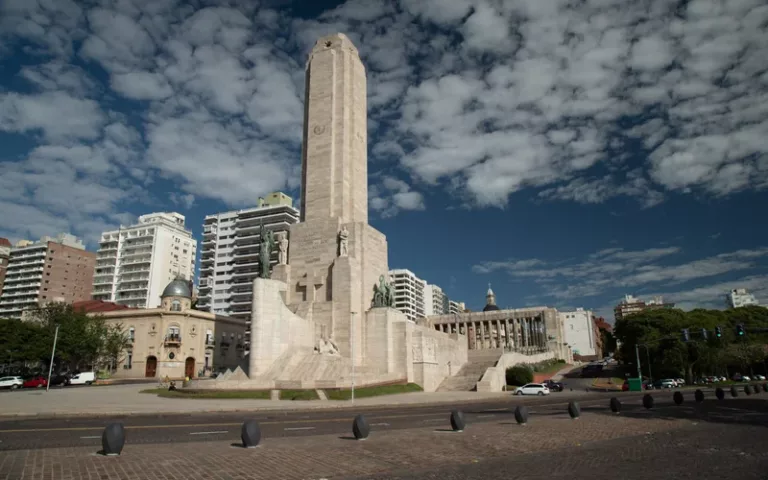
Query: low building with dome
x=498, y=338
x=175, y=340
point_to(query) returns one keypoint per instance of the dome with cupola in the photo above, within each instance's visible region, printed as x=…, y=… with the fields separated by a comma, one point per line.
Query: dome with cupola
x=490, y=301
x=177, y=295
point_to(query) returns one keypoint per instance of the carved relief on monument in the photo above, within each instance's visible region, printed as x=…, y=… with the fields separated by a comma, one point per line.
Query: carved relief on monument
x=282, y=249
x=430, y=350
x=344, y=242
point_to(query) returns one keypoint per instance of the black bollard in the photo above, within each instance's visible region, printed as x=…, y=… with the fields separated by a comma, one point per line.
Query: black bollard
x=113, y=439
x=521, y=414
x=574, y=410
x=698, y=395
x=648, y=401
x=719, y=393
x=765, y=387
x=747, y=390
x=250, y=434
x=734, y=392
x=457, y=421
x=360, y=427
x=615, y=405
x=755, y=388
x=678, y=398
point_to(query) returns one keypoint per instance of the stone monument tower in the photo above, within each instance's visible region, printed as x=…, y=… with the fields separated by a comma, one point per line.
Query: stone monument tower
x=335, y=258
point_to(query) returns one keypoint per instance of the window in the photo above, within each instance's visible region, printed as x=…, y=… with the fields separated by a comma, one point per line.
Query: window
x=176, y=306
x=131, y=335
x=129, y=359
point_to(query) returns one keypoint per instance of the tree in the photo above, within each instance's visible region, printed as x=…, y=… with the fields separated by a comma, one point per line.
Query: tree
x=116, y=342
x=670, y=356
x=81, y=337
x=519, y=375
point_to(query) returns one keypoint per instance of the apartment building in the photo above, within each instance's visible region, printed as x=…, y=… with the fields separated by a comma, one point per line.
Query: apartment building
x=49, y=270
x=135, y=263
x=5, y=256
x=435, y=301
x=630, y=305
x=456, y=307
x=740, y=297
x=229, y=254
x=409, y=293
x=579, y=329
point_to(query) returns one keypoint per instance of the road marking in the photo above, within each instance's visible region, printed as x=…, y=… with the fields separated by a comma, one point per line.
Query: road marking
x=93, y=436
x=208, y=433
x=432, y=420
x=300, y=428
x=485, y=416
x=379, y=424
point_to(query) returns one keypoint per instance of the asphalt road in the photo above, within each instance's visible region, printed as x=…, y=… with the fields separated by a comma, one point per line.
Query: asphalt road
x=16, y=434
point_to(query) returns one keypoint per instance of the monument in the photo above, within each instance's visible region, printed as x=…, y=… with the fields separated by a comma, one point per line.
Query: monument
x=325, y=309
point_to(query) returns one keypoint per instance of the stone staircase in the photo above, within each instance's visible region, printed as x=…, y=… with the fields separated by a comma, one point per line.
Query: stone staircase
x=466, y=379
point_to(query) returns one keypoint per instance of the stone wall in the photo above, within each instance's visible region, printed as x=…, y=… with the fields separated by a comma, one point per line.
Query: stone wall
x=436, y=356
x=274, y=328
x=495, y=379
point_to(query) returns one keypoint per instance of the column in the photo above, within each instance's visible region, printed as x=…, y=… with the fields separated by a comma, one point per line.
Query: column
x=499, y=341
x=482, y=335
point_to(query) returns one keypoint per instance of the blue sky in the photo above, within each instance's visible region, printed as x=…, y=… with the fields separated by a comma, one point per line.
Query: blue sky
x=567, y=155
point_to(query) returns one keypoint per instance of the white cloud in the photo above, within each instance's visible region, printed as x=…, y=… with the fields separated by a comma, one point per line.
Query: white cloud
x=392, y=196
x=141, y=85
x=57, y=114
x=502, y=96
x=615, y=268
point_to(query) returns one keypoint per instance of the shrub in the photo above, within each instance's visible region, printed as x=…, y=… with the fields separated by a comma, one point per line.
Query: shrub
x=519, y=375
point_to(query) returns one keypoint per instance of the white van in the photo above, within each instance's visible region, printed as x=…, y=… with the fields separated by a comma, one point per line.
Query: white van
x=83, y=378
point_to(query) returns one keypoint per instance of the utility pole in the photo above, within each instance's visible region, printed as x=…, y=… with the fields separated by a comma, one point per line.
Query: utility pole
x=637, y=357
x=53, y=352
x=648, y=357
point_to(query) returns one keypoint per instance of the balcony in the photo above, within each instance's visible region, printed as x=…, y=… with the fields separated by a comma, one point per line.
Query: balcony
x=210, y=344
x=172, y=339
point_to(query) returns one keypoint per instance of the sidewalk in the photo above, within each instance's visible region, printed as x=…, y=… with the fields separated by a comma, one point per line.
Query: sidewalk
x=126, y=400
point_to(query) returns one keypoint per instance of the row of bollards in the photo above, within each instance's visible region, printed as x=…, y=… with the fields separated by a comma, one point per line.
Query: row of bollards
x=113, y=437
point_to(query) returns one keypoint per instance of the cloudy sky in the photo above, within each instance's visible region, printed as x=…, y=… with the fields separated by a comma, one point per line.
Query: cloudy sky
x=568, y=152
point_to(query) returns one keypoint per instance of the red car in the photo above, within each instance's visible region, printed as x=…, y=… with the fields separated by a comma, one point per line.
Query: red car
x=35, y=382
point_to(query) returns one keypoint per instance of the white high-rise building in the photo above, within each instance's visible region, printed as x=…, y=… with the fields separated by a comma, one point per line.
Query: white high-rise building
x=579, y=331
x=229, y=254
x=435, y=301
x=740, y=297
x=456, y=307
x=135, y=263
x=409, y=293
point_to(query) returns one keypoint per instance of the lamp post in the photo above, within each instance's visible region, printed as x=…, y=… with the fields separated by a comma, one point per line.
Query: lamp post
x=53, y=352
x=648, y=357
x=352, y=351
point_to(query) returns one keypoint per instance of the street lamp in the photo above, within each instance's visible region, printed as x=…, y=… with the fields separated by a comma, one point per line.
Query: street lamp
x=352, y=353
x=53, y=352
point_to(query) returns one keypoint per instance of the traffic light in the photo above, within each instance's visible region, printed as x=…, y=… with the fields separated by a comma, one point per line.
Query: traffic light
x=718, y=332
x=686, y=335
x=740, y=332
x=704, y=333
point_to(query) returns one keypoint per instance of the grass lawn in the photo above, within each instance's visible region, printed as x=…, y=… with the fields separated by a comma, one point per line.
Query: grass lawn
x=298, y=395
x=554, y=368
x=220, y=394
x=372, y=391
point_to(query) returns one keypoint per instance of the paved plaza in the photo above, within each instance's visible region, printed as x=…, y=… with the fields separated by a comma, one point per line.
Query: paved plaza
x=713, y=440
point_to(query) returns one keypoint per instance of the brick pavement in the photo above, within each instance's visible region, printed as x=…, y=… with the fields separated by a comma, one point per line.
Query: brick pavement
x=328, y=456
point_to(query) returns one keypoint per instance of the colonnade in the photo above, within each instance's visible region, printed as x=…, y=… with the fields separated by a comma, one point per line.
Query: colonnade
x=527, y=334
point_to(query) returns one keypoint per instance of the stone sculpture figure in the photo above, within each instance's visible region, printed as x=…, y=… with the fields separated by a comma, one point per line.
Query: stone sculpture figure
x=282, y=249
x=326, y=347
x=344, y=242
x=383, y=294
x=265, y=250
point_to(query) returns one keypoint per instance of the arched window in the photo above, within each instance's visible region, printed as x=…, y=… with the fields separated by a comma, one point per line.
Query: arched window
x=176, y=306
x=131, y=334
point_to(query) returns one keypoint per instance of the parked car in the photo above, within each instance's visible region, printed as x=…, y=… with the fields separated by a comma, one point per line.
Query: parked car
x=11, y=382
x=61, y=380
x=35, y=382
x=554, y=386
x=83, y=378
x=664, y=383
x=625, y=386
x=532, y=389
x=679, y=382
x=760, y=377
